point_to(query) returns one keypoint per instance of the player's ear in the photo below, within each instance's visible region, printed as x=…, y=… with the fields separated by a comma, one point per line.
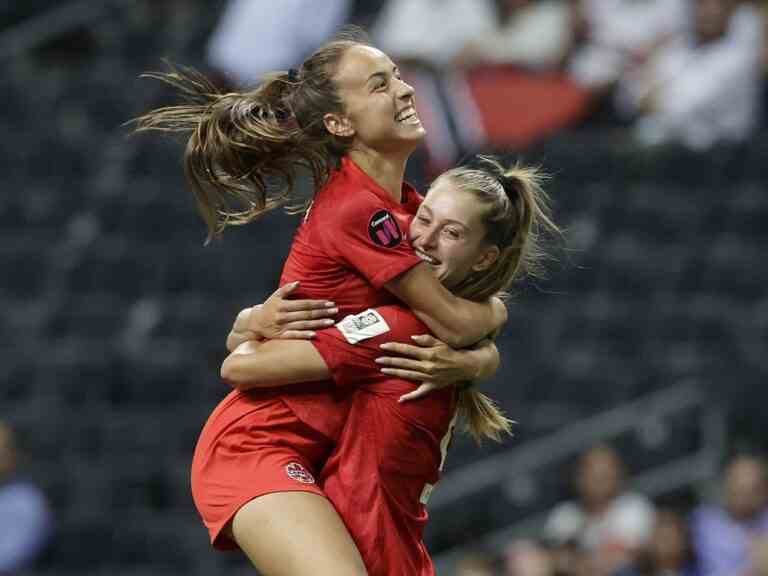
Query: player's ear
x=338, y=125
x=487, y=258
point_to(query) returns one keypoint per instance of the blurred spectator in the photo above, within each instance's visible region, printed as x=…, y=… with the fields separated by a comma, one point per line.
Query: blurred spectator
x=669, y=551
x=254, y=36
x=568, y=559
x=492, y=99
x=703, y=86
x=431, y=33
x=607, y=523
x=476, y=564
x=530, y=33
x=526, y=558
x=25, y=520
x=723, y=535
x=611, y=35
x=759, y=557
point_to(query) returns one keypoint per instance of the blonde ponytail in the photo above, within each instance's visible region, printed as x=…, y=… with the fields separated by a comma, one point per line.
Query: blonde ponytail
x=481, y=417
x=517, y=219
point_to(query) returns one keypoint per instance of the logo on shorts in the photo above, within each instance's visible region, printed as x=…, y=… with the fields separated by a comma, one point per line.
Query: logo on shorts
x=383, y=229
x=297, y=472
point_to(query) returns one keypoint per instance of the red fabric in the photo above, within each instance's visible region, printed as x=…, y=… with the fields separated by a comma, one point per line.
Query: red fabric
x=387, y=452
x=252, y=444
x=335, y=258
x=518, y=108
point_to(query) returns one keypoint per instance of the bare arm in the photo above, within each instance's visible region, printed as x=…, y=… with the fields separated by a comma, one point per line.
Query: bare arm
x=457, y=322
x=273, y=363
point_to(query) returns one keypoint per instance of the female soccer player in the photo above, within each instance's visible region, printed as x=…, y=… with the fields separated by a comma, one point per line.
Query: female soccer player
x=479, y=228
x=346, y=117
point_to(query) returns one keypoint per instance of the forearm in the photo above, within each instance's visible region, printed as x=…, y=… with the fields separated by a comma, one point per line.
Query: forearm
x=243, y=329
x=462, y=322
x=235, y=338
x=485, y=360
x=455, y=321
x=273, y=363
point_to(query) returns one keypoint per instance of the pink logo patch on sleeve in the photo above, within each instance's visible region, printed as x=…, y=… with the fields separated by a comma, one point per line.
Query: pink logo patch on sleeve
x=297, y=472
x=383, y=229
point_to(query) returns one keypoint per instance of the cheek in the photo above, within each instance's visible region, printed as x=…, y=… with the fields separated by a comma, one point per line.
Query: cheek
x=457, y=256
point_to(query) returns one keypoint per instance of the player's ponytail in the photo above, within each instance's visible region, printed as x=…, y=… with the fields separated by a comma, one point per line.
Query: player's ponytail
x=481, y=417
x=517, y=217
x=245, y=149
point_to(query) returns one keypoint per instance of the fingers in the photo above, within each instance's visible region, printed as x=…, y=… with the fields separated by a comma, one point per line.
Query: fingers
x=407, y=374
x=298, y=305
x=285, y=289
x=421, y=391
x=297, y=335
x=309, y=324
x=408, y=350
x=406, y=364
x=426, y=340
x=304, y=315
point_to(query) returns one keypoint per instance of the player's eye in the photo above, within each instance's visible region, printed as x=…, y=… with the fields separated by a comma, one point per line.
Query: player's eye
x=422, y=220
x=452, y=233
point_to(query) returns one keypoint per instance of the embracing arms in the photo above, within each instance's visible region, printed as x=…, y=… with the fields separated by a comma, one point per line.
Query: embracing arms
x=255, y=364
x=455, y=321
x=273, y=363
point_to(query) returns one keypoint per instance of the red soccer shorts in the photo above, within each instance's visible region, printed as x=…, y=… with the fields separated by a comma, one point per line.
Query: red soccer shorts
x=251, y=445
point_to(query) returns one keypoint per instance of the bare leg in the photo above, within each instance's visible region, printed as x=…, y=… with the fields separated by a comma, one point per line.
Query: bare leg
x=296, y=534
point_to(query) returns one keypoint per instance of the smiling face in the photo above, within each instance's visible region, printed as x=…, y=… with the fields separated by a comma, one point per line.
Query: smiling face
x=448, y=233
x=380, y=111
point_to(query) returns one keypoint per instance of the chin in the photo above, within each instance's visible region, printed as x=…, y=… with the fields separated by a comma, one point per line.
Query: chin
x=447, y=281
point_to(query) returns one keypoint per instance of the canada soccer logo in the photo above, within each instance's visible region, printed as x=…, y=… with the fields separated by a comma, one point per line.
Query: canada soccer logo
x=383, y=229
x=297, y=472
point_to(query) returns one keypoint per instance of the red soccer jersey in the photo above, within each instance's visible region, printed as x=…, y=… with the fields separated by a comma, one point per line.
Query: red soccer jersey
x=354, y=240
x=389, y=455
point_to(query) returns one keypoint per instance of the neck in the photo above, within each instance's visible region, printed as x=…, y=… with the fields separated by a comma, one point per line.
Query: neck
x=386, y=171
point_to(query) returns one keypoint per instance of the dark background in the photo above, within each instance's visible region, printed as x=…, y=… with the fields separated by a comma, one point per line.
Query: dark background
x=114, y=314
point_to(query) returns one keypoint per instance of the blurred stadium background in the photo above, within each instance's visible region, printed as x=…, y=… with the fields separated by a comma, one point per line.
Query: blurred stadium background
x=651, y=333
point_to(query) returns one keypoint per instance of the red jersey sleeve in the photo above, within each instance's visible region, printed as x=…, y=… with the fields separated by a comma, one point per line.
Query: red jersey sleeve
x=370, y=236
x=351, y=347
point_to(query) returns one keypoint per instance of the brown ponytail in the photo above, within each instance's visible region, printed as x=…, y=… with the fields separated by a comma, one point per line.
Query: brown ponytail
x=246, y=149
x=517, y=218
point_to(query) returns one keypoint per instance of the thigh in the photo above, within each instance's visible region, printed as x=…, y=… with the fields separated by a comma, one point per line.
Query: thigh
x=296, y=534
x=253, y=448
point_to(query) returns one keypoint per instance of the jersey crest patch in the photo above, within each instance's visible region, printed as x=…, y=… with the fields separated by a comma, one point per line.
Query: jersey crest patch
x=296, y=471
x=358, y=327
x=383, y=229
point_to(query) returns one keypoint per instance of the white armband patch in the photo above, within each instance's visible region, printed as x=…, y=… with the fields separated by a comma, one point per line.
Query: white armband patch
x=358, y=327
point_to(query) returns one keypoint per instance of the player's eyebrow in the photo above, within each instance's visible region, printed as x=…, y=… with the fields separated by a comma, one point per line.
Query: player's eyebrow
x=382, y=74
x=429, y=212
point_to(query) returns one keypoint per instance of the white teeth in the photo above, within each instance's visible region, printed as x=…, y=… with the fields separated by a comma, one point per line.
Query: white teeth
x=410, y=113
x=426, y=257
